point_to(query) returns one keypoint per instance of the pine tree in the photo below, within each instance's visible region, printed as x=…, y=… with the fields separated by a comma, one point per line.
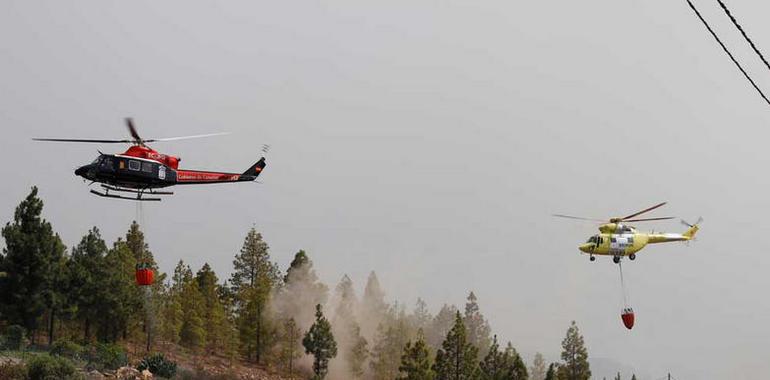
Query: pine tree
x=122, y=298
x=456, y=360
x=551, y=373
x=537, y=371
x=502, y=364
x=373, y=307
x=477, y=326
x=575, y=356
x=301, y=288
x=353, y=348
x=34, y=262
x=386, y=352
x=496, y=364
x=319, y=342
x=421, y=317
x=86, y=274
x=358, y=352
x=144, y=312
x=392, y=335
x=192, y=333
x=289, y=345
x=518, y=369
x=440, y=326
x=213, y=311
x=415, y=360
x=252, y=281
x=617, y=377
x=633, y=376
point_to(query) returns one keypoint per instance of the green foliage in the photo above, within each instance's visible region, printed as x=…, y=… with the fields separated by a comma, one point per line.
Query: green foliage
x=67, y=349
x=121, y=300
x=496, y=364
x=13, y=371
x=192, y=330
x=320, y=343
x=551, y=373
x=33, y=260
x=14, y=338
x=158, y=365
x=440, y=325
x=502, y=364
x=518, y=369
x=252, y=281
x=574, y=356
x=289, y=345
x=476, y=325
x=457, y=357
x=389, y=345
x=47, y=367
x=212, y=310
x=415, y=361
x=87, y=274
x=105, y=356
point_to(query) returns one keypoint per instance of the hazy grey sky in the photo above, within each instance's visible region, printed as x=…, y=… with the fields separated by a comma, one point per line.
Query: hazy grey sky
x=429, y=141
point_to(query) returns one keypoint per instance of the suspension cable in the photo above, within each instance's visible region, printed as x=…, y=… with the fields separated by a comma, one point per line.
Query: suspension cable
x=746, y=36
x=745, y=74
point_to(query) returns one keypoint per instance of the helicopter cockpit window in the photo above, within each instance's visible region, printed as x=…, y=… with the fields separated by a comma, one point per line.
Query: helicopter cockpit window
x=96, y=160
x=106, y=162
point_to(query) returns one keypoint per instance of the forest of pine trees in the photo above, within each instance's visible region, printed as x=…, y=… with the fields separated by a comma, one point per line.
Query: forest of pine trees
x=285, y=320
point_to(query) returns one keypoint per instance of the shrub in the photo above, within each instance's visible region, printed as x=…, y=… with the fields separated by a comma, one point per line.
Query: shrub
x=13, y=371
x=102, y=356
x=67, y=348
x=158, y=365
x=46, y=367
x=14, y=338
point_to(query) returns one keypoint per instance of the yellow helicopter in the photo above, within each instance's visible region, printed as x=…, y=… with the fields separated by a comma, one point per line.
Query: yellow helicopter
x=618, y=239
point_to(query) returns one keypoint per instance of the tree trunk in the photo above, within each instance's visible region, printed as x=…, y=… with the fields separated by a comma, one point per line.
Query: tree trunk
x=87, y=330
x=148, y=338
x=51, y=318
x=259, y=332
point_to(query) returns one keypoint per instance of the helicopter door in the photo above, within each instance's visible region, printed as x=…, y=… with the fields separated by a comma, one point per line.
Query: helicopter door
x=614, y=245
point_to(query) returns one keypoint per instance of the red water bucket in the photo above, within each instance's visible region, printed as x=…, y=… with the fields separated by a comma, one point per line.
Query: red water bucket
x=144, y=276
x=628, y=317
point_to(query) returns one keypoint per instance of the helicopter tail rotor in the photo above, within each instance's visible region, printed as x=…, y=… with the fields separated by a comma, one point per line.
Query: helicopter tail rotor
x=699, y=221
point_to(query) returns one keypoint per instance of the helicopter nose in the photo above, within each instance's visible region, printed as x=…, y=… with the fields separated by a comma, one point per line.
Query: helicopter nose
x=587, y=247
x=82, y=171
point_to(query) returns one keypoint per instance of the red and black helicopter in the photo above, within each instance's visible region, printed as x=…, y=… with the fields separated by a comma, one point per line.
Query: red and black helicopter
x=141, y=170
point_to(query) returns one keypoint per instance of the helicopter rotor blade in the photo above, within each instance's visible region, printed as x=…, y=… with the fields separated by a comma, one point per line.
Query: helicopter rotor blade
x=578, y=218
x=642, y=212
x=699, y=221
x=85, y=141
x=133, y=132
x=187, y=137
x=648, y=219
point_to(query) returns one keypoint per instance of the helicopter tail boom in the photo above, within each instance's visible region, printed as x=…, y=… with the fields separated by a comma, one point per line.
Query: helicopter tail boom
x=668, y=237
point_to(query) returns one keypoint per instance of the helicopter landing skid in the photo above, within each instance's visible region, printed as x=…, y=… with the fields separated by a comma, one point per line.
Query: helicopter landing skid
x=139, y=193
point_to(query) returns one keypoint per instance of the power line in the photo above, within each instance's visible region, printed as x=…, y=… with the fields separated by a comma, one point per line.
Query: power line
x=745, y=74
x=746, y=36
